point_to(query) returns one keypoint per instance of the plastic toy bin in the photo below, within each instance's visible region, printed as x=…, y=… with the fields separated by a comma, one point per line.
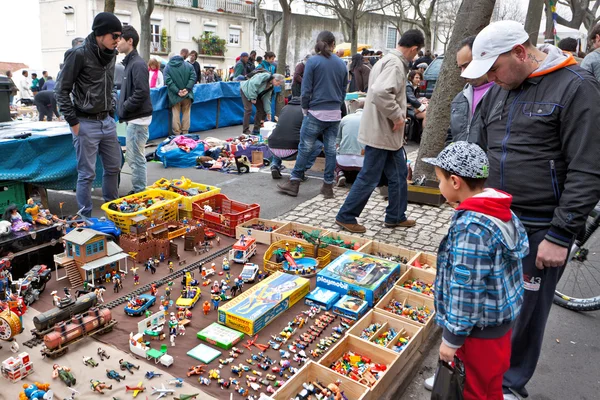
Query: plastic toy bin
x=187, y=201
x=165, y=210
x=226, y=214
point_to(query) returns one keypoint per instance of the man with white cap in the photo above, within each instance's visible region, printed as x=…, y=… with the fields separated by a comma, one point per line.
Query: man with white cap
x=541, y=125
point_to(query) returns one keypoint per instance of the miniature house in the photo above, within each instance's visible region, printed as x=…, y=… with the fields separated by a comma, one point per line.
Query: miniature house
x=89, y=256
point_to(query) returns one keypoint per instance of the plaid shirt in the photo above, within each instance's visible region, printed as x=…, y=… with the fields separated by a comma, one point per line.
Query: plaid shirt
x=479, y=280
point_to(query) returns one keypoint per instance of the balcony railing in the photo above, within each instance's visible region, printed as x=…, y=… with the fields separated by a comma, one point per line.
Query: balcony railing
x=159, y=47
x=222, y=6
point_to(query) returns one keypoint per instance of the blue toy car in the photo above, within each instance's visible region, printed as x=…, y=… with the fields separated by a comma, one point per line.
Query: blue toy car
x=102, y=225
x=137, y=305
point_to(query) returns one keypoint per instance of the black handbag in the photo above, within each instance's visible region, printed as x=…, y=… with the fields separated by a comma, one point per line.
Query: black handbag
x=449, y=381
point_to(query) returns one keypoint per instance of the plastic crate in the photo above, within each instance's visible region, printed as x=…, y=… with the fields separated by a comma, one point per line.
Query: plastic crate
x=164, y=211
x=187, y=201
x=11, y=192
x=226, y=214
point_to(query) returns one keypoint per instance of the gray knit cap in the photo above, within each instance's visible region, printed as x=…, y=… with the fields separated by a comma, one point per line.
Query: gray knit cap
x=464, y=159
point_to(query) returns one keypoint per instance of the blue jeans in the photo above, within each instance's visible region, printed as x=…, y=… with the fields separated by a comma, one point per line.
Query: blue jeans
x=311, y=129
x=378, y=161
x=137, y=136
x=318, y=147
x=97, y=138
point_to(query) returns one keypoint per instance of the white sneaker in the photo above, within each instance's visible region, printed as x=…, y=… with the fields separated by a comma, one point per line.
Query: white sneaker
x=511, y=397
x=428, y=383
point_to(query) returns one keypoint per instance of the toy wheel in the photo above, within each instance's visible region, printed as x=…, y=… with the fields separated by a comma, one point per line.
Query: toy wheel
x=42, y=287
x=266, y=162
x=244, y=169
x=112, y=238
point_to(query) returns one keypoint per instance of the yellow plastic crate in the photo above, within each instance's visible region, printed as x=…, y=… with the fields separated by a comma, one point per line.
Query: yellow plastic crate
x=186, y=201
x=166, y=210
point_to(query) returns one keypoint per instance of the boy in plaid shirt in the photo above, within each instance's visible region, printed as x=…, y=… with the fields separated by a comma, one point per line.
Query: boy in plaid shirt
x=479, y=282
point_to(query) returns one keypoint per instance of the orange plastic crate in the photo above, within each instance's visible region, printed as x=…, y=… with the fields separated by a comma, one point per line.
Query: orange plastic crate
x=226, y=214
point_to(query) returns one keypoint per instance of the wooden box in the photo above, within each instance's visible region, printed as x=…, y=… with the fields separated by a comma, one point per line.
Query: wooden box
x=337, y=251
x=283, y=233
x=311, y=372
x=426, y=275
x=412, y=299
x=387, y=251
x=318, y=166
x=425, y=260
x=388, y=321
x=376, y=353
x=260, y=236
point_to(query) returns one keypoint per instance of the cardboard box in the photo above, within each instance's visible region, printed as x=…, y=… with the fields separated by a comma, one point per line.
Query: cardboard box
x=427, y=194
x=322, y=298
x=425, y=275
x=350, y=307
x=424, y=261
x=337, y=251
x=283, y=233
x=256, y=307
x=359, y=275
x=412, y=299
x=318, y=166
x=263, y=237
x=312, y=372
x=220, y=336
x=389, y=252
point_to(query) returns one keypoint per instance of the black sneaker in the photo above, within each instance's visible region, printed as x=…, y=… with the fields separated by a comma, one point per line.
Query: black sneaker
x=275, y=173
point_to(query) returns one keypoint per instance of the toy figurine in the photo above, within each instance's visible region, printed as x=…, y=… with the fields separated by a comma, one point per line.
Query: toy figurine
x=117, y=286
x=215, y=302
x=178, y=382
x=136, y=277
x=64, y=373
x=34, y=391
x=214, y=374
x=170, y=266
x=126, y=365
x=196, y=370
x=102, y=354
x=225, y=265
x=55, y=298
x=181, y=330
x=90, y=362
x=98, y=386
x=100, y=293
x=153, y=289
x=162, y=256
x=16, y=223
x=234, y=288
x=34, y=214
x=112, y=374
x=107, y=277
x=206, y=307
x=67, y=292
x=203, y=381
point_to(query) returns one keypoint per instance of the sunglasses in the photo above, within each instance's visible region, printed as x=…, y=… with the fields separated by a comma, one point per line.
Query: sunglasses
x=115, y=36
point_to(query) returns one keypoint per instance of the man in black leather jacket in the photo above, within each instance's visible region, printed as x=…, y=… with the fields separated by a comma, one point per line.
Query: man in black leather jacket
x=88, y=75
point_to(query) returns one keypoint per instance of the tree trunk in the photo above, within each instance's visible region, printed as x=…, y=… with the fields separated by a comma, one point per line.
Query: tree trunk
x=317, y=246
x=549, y=31
x=473, y=16
x=268, y=40
x=145, y=11
x=109, y=6
x=353, y=37
x=534, y=19
x=286, y=25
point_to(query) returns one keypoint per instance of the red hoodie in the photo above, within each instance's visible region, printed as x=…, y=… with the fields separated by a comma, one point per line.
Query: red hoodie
x=492, y=202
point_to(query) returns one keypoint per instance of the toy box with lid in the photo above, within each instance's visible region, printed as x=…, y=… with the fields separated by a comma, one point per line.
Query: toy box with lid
x=223, y=215
x=350, y=307
x=359, y=275
x=321, y=297
x=16, y=368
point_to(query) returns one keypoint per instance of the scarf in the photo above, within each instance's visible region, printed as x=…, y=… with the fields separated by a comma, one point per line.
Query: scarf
x=105, y=56
x=153, y=77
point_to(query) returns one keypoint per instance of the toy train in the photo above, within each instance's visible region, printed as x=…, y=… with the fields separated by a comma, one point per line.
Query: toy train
x=70, y=307
x=94, y=321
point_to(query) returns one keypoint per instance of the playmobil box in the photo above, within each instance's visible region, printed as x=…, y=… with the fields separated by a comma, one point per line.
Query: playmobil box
x=220, y=336
x=359, y=275
x=255, y=308
x=322, y=298
x=350, y=307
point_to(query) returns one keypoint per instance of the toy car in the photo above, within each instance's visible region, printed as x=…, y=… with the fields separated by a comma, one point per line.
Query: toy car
x=139, y=304
x=249, y=272
x=32, y=284
x=102, y=225
x=190, y=299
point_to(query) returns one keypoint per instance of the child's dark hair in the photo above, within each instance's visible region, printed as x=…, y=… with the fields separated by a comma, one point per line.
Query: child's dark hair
x=325, y=43
x=472, y=183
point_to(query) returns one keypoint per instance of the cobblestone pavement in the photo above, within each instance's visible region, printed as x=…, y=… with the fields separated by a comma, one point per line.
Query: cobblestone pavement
x=432, y=222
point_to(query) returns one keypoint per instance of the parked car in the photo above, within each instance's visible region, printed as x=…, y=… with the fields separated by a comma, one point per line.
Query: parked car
x=249, y=272
x=430, y=77
x=190, y=299
x=139, y=304
x=101, y=224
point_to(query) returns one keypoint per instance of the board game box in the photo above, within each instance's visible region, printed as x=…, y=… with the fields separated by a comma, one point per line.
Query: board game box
x=220, y=336
x=350, y=307
x=359, y=275
x=322, y=298
x=255, y=308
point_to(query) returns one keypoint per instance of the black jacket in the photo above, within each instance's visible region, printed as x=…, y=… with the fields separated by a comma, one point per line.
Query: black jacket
x=463, y=127
x=286, y=134
x=87, y=74
x=543, y=148
x=197, y=71
x=134, y=100
x=411, y=96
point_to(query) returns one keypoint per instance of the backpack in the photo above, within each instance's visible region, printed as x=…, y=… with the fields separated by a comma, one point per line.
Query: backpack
x=255, y=71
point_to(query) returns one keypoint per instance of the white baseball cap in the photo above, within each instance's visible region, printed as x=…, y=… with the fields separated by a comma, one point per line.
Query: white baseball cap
x=495, y=39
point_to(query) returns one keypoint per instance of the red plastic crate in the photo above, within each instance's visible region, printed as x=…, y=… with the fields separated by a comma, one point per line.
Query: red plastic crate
x=226, y=214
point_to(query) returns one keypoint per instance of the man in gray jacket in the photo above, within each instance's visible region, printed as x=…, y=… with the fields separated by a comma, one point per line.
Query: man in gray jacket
x=591, y=62
x=465, y=122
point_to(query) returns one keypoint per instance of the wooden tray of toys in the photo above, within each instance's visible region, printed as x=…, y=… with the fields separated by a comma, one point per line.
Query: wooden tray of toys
x=419, y=281
x=381, y=369
x=408, y=306
x=154, y=204
x=388, y=332
x=293, y=231
x=389, y=252
x=312, y=378
x=424, y=261
x=347, y=242
x=260, y=229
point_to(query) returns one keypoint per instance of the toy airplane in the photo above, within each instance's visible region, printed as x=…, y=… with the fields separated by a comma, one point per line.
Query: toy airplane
x=151, y=374
x=186, y=396
x=136, y=390
x=162, y=392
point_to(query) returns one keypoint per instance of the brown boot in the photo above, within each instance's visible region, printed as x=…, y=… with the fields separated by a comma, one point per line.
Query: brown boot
x=409, y=223
x=327, y=190
x=354, y=228
x=290, y=187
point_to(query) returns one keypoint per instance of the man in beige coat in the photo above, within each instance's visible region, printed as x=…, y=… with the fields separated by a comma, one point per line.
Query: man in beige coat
x=382, y=132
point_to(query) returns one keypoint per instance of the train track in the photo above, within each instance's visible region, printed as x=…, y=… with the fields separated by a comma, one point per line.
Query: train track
x=38, y=336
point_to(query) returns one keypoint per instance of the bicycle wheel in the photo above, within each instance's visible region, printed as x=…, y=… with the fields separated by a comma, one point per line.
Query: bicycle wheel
x=579, y=287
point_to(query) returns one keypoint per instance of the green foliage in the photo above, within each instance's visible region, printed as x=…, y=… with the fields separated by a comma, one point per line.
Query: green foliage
x=211, y=44
x=164, y=39
x=314, y=238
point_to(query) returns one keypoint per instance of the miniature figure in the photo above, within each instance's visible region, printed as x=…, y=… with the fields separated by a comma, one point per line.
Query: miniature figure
x=98, y=386
x=181, y=330
x=90, y=362
x=55, y=298
x=206, y=307
x=136, y=277
x=153, y=289
x=225, y=265
x=172, y=339
x=214, y=374
x=64, y=373
x=112, y=374
x=102, y=354
x=178, y=382
x=171, y=266
x=126, y=365
x=100, y=293
x=203, y=381
x=196, y=370
x=215, y=302
x=16, y=223
x=34, y=391
x=34, y=214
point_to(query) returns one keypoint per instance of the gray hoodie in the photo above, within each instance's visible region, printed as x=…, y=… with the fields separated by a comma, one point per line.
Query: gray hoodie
x=591, y=63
